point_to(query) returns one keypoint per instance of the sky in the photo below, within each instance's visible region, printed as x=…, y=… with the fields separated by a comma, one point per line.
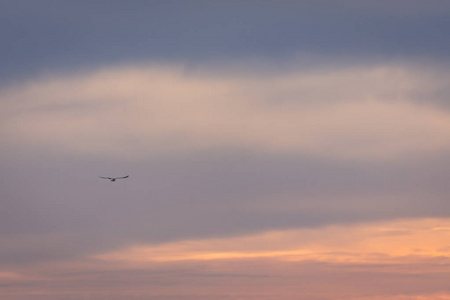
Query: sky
x=276, y=150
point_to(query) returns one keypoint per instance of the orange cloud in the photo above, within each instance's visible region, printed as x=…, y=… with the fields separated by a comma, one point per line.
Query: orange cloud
x=398, y=241
x=396, y=260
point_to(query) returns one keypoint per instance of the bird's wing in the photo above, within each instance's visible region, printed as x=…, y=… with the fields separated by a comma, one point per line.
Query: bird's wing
x=123, y=177
x=105, y=177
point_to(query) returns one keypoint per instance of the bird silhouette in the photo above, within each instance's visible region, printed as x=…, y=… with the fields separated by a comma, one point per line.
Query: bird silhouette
x=112, y=179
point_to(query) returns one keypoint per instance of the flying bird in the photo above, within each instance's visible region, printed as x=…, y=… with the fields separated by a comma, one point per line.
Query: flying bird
x=112, y=179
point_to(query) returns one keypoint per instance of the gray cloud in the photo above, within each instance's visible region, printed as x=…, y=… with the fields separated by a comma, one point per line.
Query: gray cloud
x=49, y=35
x=206, y=195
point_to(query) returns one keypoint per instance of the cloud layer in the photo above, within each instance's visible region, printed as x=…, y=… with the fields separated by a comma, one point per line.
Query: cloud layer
x=276, y=150
x=361, y=113
x=398, y=260
x=42, y=37
x=216, y=152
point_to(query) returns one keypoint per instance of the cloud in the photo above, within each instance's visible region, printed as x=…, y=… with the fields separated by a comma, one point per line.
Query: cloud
x=42, y=38
x=276, y=150
x=381, y=260
x=214, y=152
x=372, y=243
x=356, y=114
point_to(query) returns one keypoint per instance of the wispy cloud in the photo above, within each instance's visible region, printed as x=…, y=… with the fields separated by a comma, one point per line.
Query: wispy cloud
x=371, y=243
x=364, y=113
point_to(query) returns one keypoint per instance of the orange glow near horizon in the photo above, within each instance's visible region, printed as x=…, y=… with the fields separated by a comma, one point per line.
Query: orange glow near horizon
x=367, y=243
x=392, y=260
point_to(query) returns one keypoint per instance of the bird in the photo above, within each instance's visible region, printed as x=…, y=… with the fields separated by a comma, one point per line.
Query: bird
x=112, y=179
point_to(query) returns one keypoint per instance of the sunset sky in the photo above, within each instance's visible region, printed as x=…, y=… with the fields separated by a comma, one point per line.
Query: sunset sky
x=277, y=150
